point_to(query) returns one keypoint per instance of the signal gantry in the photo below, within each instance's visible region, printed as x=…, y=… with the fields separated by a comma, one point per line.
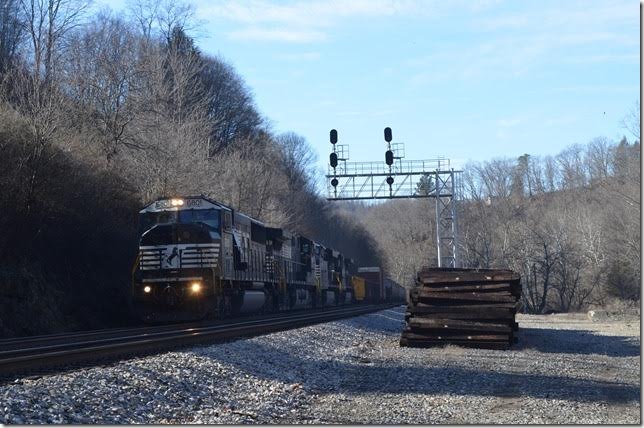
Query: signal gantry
x=396, y=179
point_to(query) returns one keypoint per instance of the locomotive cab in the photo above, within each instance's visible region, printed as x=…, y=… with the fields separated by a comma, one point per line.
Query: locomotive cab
x=179, y=251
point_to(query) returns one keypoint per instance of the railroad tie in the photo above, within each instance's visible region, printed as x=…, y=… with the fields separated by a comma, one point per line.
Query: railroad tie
x=466, y=307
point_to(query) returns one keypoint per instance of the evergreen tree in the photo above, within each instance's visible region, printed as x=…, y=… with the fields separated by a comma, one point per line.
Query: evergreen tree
x=425, y=185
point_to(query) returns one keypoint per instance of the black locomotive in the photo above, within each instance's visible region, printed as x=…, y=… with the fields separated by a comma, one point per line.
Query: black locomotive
x=200, y=258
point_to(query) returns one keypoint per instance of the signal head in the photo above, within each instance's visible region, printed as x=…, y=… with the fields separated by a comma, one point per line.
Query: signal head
x=333, y=136
x=333, y=160
x=388, y=134
x=389, y=157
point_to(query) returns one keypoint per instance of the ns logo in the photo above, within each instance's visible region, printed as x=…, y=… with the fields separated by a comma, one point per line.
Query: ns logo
x=171, y=258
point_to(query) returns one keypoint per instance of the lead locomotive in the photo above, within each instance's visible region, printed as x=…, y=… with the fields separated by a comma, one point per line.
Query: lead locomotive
x=198, y=258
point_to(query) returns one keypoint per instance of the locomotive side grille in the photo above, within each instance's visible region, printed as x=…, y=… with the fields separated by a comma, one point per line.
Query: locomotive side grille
x=150, y=258
x=200, y=256
x=188, y=256
x=268, y=264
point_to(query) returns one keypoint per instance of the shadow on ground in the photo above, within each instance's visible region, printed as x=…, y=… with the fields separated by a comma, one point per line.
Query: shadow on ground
x=581, y=342
x=286, y=363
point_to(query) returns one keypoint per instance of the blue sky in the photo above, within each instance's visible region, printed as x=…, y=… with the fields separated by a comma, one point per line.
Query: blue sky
x=468, y=80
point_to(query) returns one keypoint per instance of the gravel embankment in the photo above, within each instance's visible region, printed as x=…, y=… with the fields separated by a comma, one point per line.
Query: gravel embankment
x=566, y=369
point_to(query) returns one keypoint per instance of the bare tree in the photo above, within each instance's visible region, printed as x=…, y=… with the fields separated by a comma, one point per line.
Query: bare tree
x=47, y=22
x=101, y=75
x=535, y=258
x=632, y=121
x=598, y=158
x=298, y=158
x=11, y=33
x=34, y=91
x=496, y=176
x=247, y=178
x=161, y=17
x=572, y=167
x=231, y=108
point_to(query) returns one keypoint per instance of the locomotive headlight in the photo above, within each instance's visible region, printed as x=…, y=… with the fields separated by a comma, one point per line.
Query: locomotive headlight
x=176, y=202
x=195, y=287
x=147, y=289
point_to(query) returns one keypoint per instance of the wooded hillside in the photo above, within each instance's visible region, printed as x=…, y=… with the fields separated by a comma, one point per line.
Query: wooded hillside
x=100, y=114
x=569, y=224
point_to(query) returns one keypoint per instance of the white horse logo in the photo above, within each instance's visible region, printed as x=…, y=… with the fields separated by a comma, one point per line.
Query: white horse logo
x=171, y=258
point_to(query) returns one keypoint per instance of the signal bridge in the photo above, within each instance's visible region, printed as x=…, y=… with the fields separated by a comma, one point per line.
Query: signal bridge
x=397, y=178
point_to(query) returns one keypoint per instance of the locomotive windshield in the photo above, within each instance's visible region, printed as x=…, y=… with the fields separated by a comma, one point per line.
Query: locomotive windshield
x=208, y=217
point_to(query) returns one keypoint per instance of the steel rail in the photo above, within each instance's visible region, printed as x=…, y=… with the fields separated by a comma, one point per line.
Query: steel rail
x=52, y=355
x=24, y=342
x=27, y=347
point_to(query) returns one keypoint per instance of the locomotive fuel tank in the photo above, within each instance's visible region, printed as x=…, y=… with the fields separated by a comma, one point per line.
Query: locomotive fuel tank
x=252, y=301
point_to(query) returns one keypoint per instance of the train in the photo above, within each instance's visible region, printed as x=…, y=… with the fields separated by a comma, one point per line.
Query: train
x=199, y=258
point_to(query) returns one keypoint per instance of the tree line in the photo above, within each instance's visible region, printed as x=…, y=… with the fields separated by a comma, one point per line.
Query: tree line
x=569, y=224
x=101, y=113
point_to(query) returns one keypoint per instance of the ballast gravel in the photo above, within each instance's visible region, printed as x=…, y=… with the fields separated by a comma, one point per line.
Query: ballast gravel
x=565, y=369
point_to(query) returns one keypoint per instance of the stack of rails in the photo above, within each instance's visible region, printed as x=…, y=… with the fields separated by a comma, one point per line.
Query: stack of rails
x=466, y=307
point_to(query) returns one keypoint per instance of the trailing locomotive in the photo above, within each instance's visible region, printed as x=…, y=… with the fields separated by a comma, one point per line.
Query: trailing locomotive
x=198, y=258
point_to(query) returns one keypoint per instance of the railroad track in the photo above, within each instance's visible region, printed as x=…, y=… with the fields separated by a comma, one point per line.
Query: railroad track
x=55, y=351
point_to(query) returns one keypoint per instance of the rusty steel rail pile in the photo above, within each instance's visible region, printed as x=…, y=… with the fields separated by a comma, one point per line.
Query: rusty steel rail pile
x=466, y=307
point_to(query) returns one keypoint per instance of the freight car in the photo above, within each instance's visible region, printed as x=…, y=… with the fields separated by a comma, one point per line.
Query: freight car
x=395, y=292
x=200, y=258
x=373, y=282
x=369, y=285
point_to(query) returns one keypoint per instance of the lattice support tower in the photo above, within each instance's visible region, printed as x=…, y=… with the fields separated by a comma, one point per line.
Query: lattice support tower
x=446, y=197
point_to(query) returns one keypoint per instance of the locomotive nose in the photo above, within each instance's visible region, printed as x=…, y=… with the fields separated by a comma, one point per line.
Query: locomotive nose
x=170, y=296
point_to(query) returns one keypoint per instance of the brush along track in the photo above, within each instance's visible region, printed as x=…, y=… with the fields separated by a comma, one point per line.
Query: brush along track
x=44, y=352
x=467, y=307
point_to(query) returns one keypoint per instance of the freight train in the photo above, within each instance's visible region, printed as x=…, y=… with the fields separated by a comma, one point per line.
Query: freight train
x=200, y=258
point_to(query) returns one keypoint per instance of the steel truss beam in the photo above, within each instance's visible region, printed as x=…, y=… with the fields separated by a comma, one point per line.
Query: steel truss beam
x=367, y=180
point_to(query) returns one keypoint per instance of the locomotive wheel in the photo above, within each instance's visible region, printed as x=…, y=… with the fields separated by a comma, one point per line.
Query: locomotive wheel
x=269, y=302
x=224, y=308
x=314, y=297
x=236, y=302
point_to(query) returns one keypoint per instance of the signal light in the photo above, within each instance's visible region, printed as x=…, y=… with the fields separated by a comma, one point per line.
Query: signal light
x=334, y=182
x=390, y=180
x=333, y=136
x=388, y=134
x=333, y=160
x=389, y=157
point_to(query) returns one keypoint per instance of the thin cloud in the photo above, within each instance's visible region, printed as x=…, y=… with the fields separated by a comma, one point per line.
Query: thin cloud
x=506, y=127
x=300, y=56
x=515, y=55
x=277, y=35
x=608, y=58
x=311, y=21
x=508, y=122
x=559, y=121
x=596, y=88
x=306, y=13
x=569, y=15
